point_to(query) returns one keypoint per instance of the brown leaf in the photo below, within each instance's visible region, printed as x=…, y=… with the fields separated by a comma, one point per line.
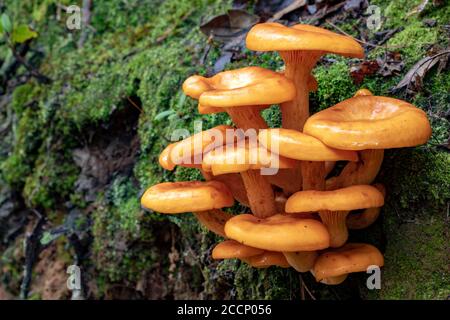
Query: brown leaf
x=366, y=68
x=228, y=27
x=390, y=64
x=413, y=79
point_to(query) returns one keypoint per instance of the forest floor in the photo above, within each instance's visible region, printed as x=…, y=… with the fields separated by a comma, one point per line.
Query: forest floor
x=85, y=113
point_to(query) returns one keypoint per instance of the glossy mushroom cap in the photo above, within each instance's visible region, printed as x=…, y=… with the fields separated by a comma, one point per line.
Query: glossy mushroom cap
x=277, y=37
x=189, y=196
x=240, y=158
x=297, y=145
x=350, y=198
x=230, y=249
x=250, y=86
x=352, y=257
x=185, y=151
x=370, y=122
x=278, y=233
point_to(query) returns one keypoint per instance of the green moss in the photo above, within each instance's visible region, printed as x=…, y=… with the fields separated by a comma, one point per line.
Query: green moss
x=335, y=84
x=52, y=180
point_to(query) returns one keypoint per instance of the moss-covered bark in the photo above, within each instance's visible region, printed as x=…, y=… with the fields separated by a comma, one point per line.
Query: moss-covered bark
x=124, y=69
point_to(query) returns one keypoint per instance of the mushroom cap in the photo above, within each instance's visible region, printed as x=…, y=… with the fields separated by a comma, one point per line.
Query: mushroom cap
x=268, y=259
x=230, y=249
x=279, y=232
x=277, y=37
x=184, y=151
x=297, y=145
x=187, y=196
x=370, y=122
x=349, y=198
x=250, y=86
x=240, y=158
x=352, y=257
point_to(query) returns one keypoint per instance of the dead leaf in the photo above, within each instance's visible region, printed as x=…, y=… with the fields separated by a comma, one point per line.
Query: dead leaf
x=391, y=64
x=355, y=5
x=366, y=68
x=228, y=27
x=413, y=79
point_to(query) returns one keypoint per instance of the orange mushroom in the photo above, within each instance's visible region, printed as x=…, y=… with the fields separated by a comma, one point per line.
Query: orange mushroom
x=300, y=46
x=279, y=232
x=334, y=206
x=334, y=265
x=186, y=151
x=242, y=93
x=230, y=249
x=356, y=221
x=189, y=196
x=370, y=122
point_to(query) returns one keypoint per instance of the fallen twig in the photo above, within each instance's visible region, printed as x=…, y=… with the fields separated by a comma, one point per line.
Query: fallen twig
x=32, y=250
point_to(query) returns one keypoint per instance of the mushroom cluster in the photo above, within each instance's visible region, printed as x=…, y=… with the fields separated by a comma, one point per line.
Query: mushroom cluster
x=300, y=211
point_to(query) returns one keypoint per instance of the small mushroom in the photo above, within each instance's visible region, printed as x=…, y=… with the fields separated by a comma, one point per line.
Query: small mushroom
x=357, y=221
x=242, y=93
x=268, y=259
x=279, y=232
x=334, y=206
x=186, y=151
x=230, y=249
x=187, y=196
x=246, y=160
x=214, y=220
x=333, y=265
x=300, y=46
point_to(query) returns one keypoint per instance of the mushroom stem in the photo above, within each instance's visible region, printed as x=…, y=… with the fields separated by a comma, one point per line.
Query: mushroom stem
x=301, y=261
x=313, y=175
x=290, y=180
x=335, y=221
x=259, y=191
x=363, y=171
x=260, y=194
x=299, y=65
x=214, y=220
x=247, y=117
